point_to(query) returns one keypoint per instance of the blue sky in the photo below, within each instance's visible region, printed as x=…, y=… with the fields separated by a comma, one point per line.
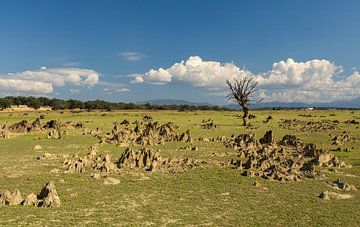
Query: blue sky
x=298, y=50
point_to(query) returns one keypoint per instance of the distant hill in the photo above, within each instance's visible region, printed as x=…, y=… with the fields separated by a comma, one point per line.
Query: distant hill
x=351, y=104
x=177, y=102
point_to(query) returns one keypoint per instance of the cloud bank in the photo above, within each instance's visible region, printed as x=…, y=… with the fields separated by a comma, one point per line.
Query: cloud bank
x=43, y=80
x=287, y=81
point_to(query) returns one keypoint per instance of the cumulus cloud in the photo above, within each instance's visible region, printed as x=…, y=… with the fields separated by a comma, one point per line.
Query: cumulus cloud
x=310, y=81
x=131, y=56
x=43, y=80
x=30, y=86
x=195, y=71
x=61, y=76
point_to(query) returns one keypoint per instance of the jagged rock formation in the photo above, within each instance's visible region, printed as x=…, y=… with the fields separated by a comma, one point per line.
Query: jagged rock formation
x=99, y=163
x=145, y=134
x=208, y=124
x=150, y=160
x=287, y=160
x=48, y=197
x=342, y=185
x=309, y=126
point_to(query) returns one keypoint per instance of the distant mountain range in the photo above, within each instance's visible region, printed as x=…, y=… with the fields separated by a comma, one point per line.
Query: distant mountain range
x=175, y=102
x=352, y=104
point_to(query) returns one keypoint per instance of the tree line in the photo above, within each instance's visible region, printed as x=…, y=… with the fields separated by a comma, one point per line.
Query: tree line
x=61, y=104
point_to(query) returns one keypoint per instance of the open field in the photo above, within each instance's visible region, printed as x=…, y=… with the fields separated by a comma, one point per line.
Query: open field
x=207, y=194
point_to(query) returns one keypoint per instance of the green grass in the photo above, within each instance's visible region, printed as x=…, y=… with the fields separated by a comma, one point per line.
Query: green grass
x=206, y=195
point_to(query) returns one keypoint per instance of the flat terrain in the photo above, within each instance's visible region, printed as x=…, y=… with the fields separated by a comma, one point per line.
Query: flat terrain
x=205, y=195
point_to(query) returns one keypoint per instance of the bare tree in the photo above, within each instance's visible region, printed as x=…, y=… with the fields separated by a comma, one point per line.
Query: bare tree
x=241, y=91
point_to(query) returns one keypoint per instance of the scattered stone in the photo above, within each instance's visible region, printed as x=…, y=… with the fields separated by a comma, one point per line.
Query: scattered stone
x=48, y=196
x=13, y=198
x=95, y=175
x=341, y=185
x=268, y=119
x=31, y=200
x=354, y=122
x=37, y=147
x=110, y=181
x=308, y=126
x=333, y=195
x=47, y=156
x=288, y=160
x=54, y=134
x=208, y=124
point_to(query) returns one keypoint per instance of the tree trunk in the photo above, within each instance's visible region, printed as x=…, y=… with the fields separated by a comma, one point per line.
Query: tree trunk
x=246, y=113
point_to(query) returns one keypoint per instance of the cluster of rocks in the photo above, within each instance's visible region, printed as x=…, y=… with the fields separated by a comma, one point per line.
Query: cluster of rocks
x=190, y=148
x=339, y=185
x=351, y=122
x=48, y=197
x=268, y=119
x=308, y=126
x=342, y=185
x=208, y=124
x=151, y=160
x=288, y=160
x=99, y=163
x=145, y=133
x=340, y=139
x=93, y=132
x=25, y=126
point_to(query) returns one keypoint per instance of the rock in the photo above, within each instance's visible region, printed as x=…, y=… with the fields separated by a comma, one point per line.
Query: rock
x=48, y=196
x=110, y=181
x=54, y=134
x=339, y=184
x=37, y=147
x=20, y=127
x=95, y=175
x=334, y=195
x=324, y=195
x=56, y=171
x=31, y=200
x=268, y=138
x=13, y=198
x=47, y=156
x=196, y=148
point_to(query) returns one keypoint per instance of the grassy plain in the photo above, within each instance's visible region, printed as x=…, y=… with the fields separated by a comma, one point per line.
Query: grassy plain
x=214, y=196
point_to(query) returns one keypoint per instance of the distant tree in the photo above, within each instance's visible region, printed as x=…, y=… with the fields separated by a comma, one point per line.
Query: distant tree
x=34, y=103
x=241, y=91
x=5, y=103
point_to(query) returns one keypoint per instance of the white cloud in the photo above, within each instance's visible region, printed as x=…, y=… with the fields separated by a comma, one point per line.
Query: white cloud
x=195, y=71
x=309, y=81
x=113, y=87
x=137, y=80
x=131, y=56
x=29, y=86
x=61, y=76
x=43, y=80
